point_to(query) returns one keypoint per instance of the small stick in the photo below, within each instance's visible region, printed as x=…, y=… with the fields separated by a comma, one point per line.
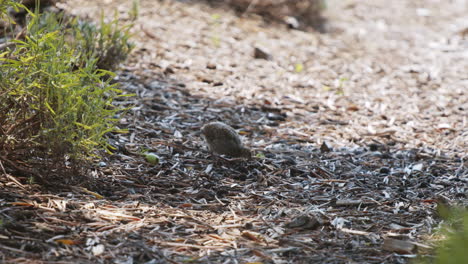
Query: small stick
x=10, y=177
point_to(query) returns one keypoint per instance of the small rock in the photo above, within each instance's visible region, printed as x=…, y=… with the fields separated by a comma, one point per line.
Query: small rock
x=325, y=147
x=305, y=222
x=262, y=54
x=292, y=22
x=358, y=151
x=374, y=147
x=277, y=117
x=417, y=167
x=384, y=170
x=169, y=70
x=248, y=225
x=287, y=160
x=98, y=250
x=156, y=85
x=387, y=155
x=272, y=123
x=211, y=66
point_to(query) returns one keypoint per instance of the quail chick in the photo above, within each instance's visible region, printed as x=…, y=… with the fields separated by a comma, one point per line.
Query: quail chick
x=223, y=139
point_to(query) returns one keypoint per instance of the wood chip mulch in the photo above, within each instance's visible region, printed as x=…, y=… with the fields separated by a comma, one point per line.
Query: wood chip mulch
x=341, y=176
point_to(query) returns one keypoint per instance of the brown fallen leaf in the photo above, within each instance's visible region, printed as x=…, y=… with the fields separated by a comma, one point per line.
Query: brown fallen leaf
x=68, y=242
x=252, y=236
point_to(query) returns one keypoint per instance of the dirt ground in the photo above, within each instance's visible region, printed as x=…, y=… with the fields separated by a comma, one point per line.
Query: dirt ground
x=357, y=133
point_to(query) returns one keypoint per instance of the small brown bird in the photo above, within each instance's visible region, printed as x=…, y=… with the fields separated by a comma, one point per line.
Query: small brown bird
x=223, y=139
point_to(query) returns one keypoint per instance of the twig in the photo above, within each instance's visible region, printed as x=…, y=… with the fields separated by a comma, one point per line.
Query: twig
x=24, y=170
x=10, y=177
x=251, y=5
x=15, y=250
x=192, y=246
x=7, y=45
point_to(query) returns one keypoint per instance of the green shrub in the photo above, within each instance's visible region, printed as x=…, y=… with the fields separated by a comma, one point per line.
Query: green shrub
x=54, y=99
x=109, y=42
x=452, y=245
x=6, y=4
x=5, y=19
